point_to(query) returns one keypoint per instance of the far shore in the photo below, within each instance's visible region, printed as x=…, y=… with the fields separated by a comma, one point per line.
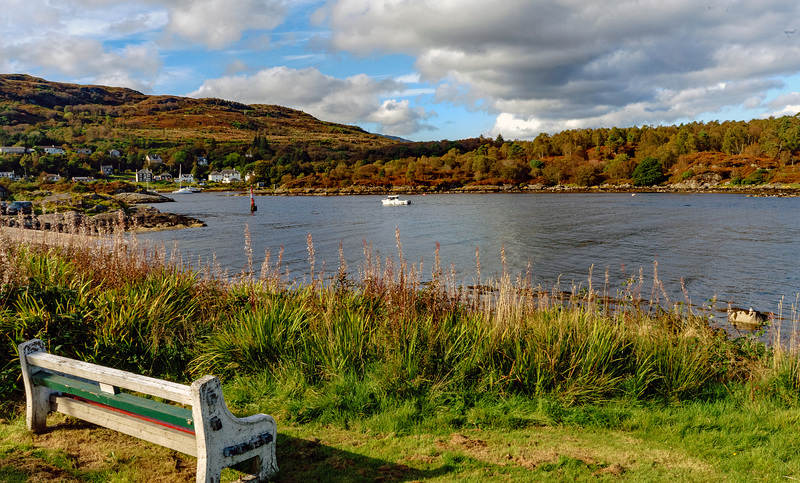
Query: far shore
x=776, y=190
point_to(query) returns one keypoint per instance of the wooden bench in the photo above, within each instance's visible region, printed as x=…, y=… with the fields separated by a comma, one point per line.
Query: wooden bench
x=206, y=430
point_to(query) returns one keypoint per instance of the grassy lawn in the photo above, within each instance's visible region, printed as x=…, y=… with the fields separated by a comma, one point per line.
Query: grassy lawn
x=615, y=442
x=383, y=378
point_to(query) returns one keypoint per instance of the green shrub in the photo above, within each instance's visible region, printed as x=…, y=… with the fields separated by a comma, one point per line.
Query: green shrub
x=648, y=173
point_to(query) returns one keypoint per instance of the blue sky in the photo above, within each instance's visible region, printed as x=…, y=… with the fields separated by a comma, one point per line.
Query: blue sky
x=430, y=69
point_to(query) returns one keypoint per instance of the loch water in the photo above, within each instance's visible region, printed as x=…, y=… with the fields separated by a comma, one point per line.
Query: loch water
x=742, y=250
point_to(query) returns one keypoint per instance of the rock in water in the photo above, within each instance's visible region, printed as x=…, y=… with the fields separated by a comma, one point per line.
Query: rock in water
x=747, y=318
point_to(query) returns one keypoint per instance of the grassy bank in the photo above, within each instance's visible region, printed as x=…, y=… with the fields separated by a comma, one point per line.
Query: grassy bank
x=432, y=381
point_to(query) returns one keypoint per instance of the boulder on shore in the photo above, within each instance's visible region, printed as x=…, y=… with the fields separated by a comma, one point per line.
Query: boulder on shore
x=747, y=319
x=141, y=197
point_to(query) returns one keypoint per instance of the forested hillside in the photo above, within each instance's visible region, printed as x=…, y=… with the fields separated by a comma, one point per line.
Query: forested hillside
x=285, y=147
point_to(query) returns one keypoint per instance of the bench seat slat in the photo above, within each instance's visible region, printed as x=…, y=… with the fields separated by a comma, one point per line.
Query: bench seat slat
x=147, y=408
x=172, y=391
x=154, y=433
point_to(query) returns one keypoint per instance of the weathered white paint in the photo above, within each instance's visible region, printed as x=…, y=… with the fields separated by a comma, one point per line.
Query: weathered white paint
x=220, y=439
x=217, y=429
x=151, y=386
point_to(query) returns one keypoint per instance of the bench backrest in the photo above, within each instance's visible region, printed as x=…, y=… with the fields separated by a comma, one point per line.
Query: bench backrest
x=109, y=378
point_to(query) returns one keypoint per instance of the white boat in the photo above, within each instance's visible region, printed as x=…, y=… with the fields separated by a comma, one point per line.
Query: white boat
x=181, y=190
x=394, y=200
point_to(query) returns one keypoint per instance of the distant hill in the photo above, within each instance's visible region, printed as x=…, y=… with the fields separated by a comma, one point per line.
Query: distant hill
x=286, y=148
x=27, y=101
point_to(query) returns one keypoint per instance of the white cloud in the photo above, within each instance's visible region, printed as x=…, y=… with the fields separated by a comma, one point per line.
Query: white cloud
x=356, y=99
x=218, y=23
x=120, y=42
x=547, y=63
x=87, y=59
x=398, y=118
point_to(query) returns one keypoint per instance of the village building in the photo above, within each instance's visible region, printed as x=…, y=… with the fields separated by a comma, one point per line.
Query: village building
x=8, y=174
x=51, y=149
x=202, y=161
x=13, y=149
x=185, y=178
x=215, y=176
x=144, y=176
x=107, y=170
x=114, y=153
x=154, y=159
x=231, y=176
x=82, y=179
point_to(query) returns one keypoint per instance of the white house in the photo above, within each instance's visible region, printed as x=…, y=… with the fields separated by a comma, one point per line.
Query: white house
x=154, y=159
x=83, y=150
x=51, y=149
x=12, y=149
x=202, y=161
x=144, y=176
x=216, y=177
x=51, y=178
x=231, y=176
x=185, y=178
x=8, y=174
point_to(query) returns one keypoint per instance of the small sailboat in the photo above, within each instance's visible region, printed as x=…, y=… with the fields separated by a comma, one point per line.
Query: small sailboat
x=181, y=190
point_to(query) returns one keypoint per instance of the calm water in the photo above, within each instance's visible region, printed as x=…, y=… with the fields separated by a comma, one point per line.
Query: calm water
x=743, y=250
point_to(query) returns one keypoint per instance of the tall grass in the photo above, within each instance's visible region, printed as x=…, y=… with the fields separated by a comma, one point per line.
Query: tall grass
x=377, y=340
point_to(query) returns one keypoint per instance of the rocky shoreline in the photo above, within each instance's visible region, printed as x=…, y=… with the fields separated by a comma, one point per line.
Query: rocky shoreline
x=691, y=187
x=94, y=219
x=140, y=218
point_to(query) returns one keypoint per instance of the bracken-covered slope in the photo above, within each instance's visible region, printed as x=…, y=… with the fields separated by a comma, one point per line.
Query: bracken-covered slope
x=27, y=101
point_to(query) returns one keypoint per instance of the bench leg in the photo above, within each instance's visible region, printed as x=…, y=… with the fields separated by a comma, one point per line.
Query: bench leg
x=37, y=397
x=224, y=440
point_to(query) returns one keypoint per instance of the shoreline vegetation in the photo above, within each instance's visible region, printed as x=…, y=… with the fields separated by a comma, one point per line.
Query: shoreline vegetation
x=776, y=190
x=372, y=374
x=55, y=133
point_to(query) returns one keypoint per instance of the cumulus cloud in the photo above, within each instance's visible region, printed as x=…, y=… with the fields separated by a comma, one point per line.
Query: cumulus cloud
x=218, y=23
x=549, y=63
x=352, y=100
x=398, y=118
x=81, y=58
x=120, y=42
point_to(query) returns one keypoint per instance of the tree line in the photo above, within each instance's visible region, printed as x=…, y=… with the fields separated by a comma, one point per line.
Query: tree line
x=736, y=151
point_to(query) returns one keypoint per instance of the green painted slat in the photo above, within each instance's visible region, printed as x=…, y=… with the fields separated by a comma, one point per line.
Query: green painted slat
x=148, y=408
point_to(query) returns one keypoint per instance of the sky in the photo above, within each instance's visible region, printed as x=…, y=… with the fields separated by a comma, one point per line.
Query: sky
x=430, y=69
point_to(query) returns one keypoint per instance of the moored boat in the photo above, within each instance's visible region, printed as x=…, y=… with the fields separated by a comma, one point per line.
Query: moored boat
x=394, y=200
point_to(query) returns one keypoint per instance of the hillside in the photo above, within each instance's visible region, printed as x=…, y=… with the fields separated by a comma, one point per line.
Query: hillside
x=285, y=148
x=28, y=102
